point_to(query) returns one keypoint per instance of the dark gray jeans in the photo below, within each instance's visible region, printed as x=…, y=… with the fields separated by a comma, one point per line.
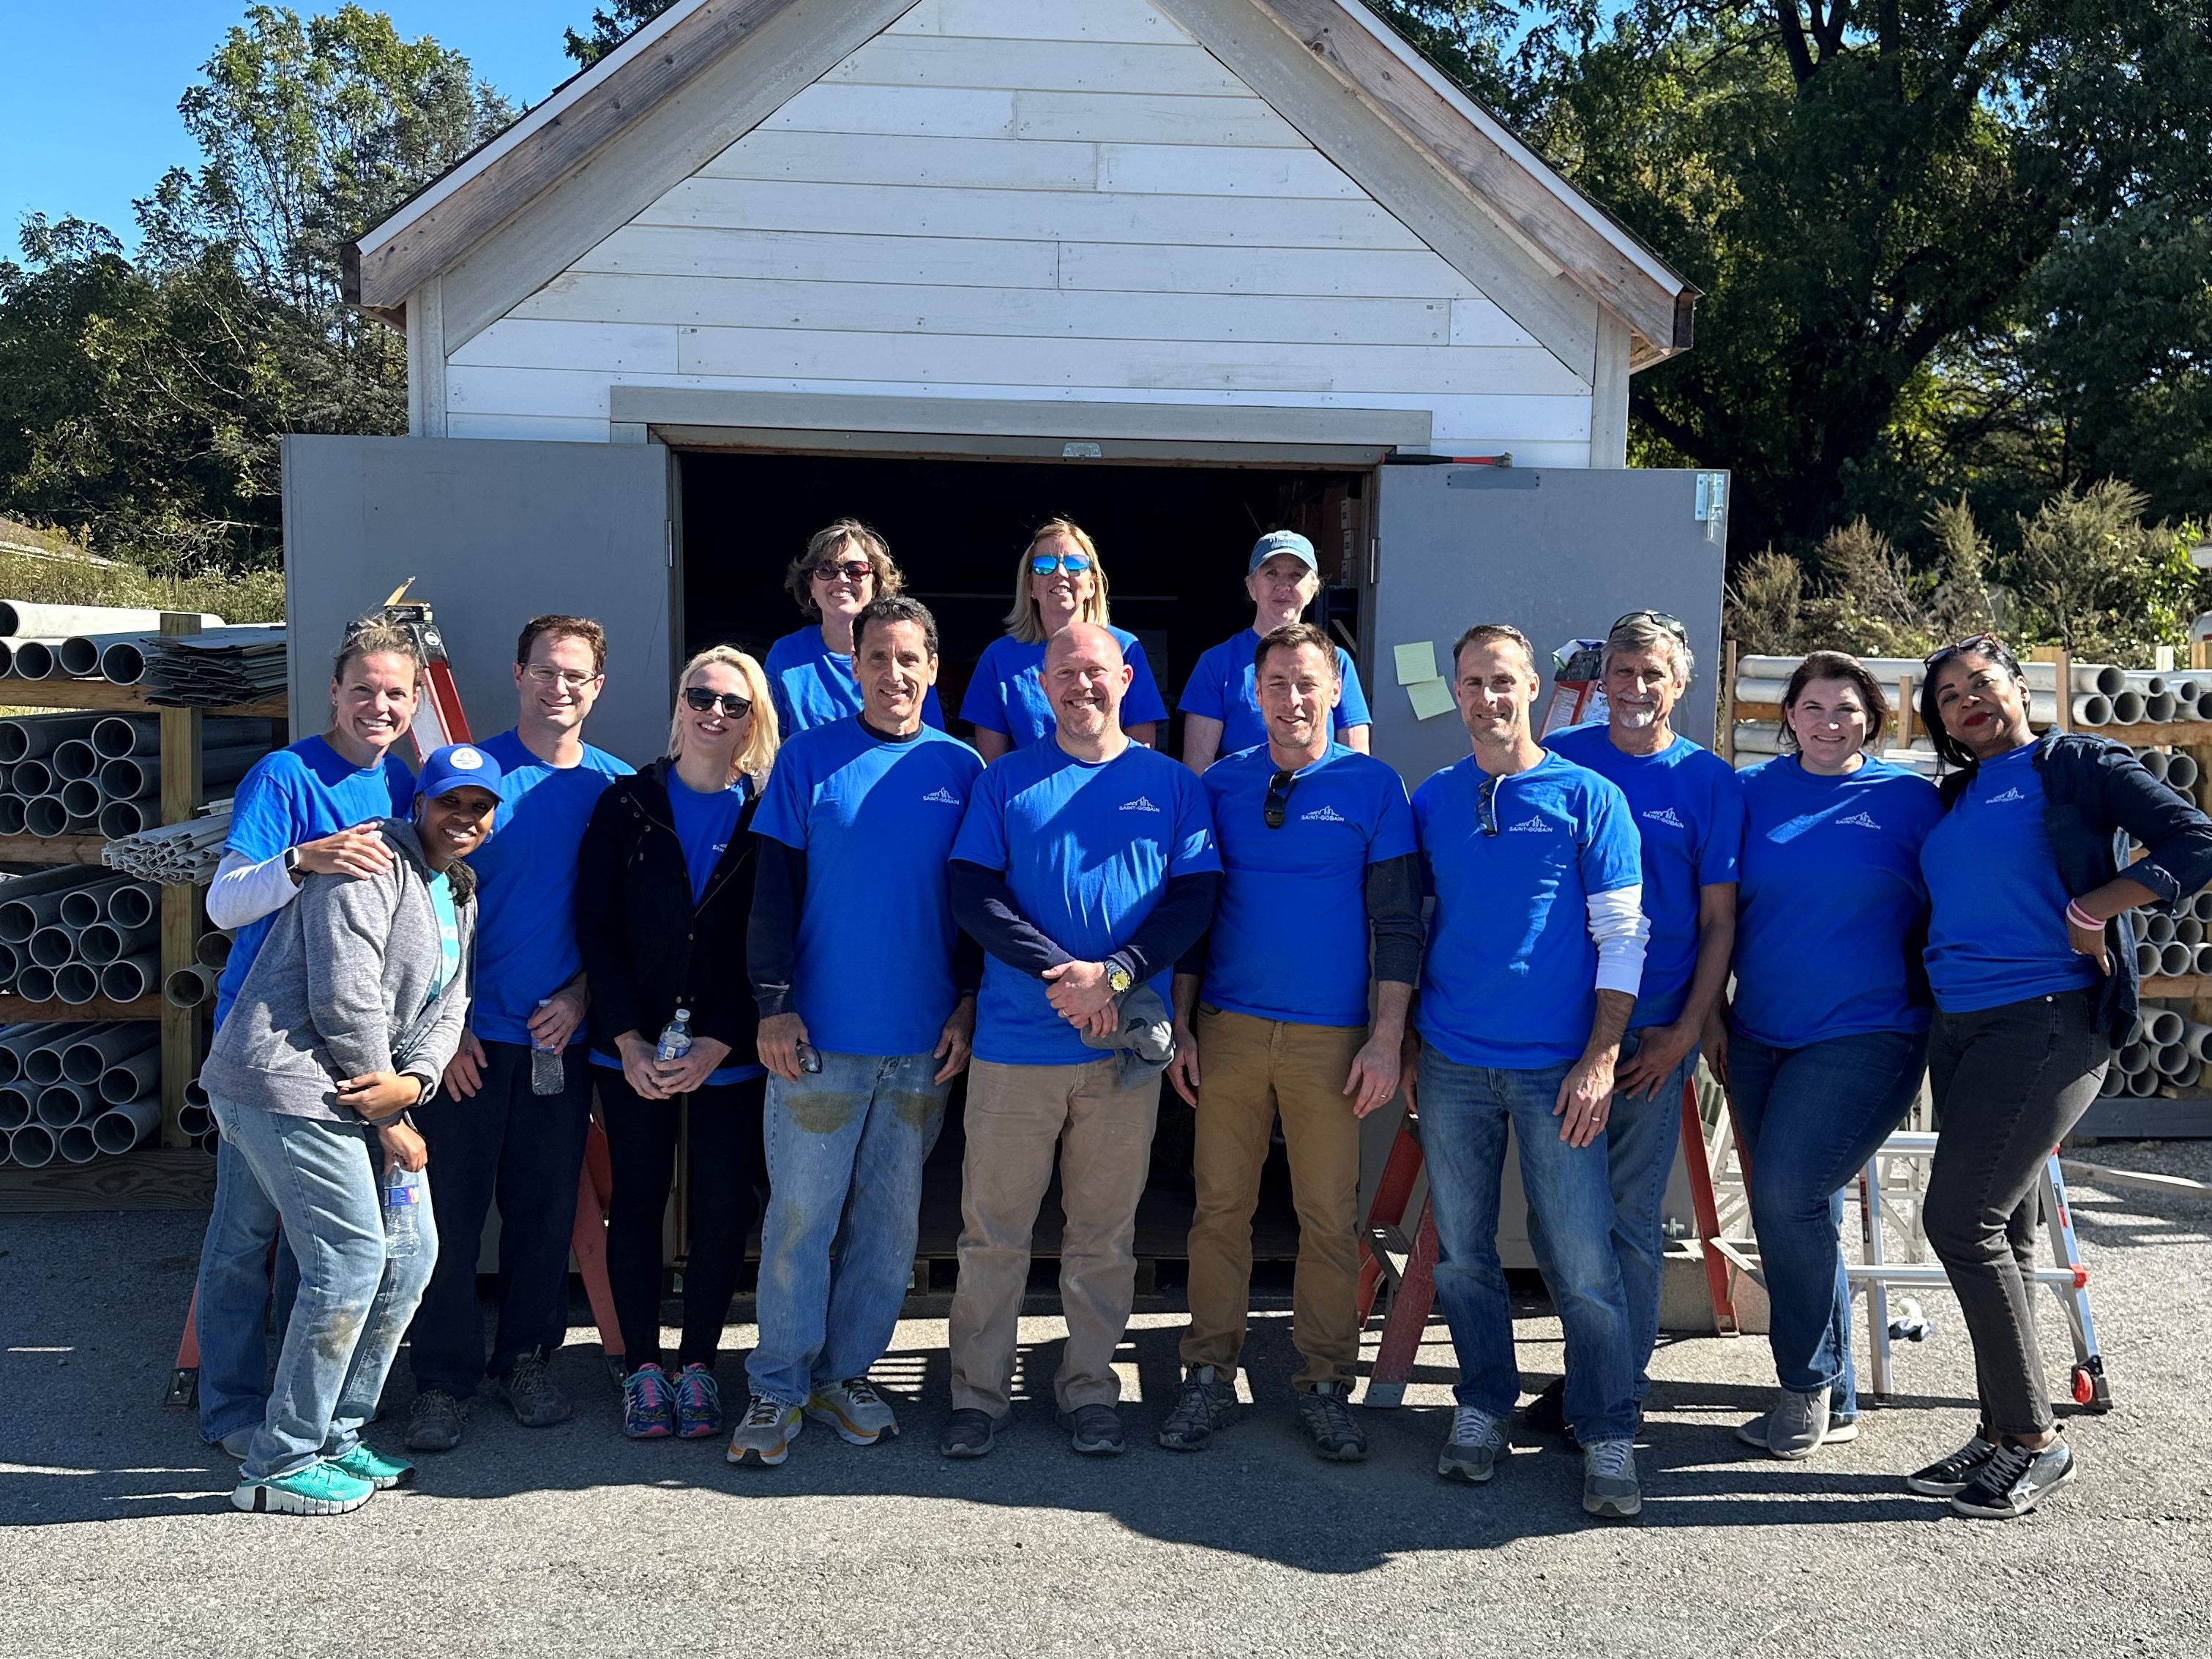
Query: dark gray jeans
x=2008, y=1083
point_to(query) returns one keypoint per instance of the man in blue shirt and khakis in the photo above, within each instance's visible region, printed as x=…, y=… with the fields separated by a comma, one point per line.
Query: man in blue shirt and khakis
x=1317, y=850
x=1535, y=953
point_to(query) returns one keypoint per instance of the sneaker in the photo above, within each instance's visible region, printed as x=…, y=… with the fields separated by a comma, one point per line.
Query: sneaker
x=1326, y=1416
x=1947, y=1477
x=1547, y=1413
x=1796, y=1409
x=764, y=1436
x=318, y=1489
x=537, y=1401
x=1470, y=1452
x=1093, y=1430
x=434, y=1420
x=2015, y=1480
x=1206, y=1404
x=967, y=1433
x=648, y=1407
x=698, y=1403
x=365, y=1462
x=853, y=1408
x=1609, y=1488
x=238, y=1443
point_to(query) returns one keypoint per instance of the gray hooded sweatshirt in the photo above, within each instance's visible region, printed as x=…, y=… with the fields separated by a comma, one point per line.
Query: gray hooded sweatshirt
x=341, y=988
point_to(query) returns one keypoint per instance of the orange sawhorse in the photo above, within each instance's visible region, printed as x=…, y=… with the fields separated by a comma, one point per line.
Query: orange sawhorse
x=1408, y=1259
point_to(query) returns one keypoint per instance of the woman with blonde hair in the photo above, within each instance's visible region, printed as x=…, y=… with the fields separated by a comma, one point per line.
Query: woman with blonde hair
x=1058, y=581
x=810, y=673
x=667, y=858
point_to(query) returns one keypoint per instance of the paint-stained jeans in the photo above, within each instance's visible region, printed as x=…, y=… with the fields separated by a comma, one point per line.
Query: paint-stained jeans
x=845, y=1149
x=366, y=1242
x=230, y=1317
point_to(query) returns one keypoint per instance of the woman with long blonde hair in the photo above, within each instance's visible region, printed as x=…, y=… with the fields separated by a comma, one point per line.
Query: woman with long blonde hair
x=1058, y=581
x=664, y=897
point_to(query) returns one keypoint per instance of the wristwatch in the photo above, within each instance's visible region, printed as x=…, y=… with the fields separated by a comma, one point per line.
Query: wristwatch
x=1117, y=979
x=292, y=861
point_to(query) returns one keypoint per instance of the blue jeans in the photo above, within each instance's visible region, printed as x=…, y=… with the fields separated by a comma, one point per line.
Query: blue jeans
x=230, y=1317
x=1465, y=1111
x=845, y=1149
x=1642, y=1135
x=366, y=1242
x=1808, y=1119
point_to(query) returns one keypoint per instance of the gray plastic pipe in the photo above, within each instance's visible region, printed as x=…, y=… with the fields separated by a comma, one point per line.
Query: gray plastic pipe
x=75, y=758
x=2154, y=761
x=119, y=736
x=2162, y=1026
x=2128, y=708
x=2183, y=772
x=12, y=816
x=139, y=777
x=59, y=621
x=30, y=779
x=2144, y=1084
x=81, y=798
x=77, y=1144
x=2135, y=1058
x=2171, y=1058
x=2176, y=958
x=105, y=1044
x=212, y=950
x=38, y=660
x=62, y=1103
x=103, y=942
x=134, y=904
x=32, y=1146
x=16, y=1107
x=2158, y=930
x=2145, y=957
x=131, y=1079
x=131, y=977
x=45, y=818
x=2187, y=930
x=82, y=906
x=2159, y=707
x=119, y=818
x=193, y=1122
x=34, y=984
x=188, y=987
x=26, y=737
x=2196, y=1036
x=76, y=983
x=53, y=945
x=123, y=1127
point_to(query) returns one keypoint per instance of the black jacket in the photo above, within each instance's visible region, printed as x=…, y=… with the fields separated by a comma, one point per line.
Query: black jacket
x=647, y=949
x=2096, y=797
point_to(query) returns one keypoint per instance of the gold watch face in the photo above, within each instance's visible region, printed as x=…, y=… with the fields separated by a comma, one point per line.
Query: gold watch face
x=1118, y=980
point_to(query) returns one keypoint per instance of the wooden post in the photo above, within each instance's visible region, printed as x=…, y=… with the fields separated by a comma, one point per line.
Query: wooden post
x=1727, y=745
x=2059, y=658
x=180, y=905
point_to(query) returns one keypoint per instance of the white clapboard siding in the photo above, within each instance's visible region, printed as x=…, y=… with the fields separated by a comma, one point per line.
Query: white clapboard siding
x=1042, y=19
x=1150, y=267
x=616, y=347
x=1212, y=170
x=854, y=158
x=1109, y=117
x=806, y=256
x=486, y=392
x=539, y=428
x=581, y=298
x=902, y=111
x=1028, y=215
x=923, y=60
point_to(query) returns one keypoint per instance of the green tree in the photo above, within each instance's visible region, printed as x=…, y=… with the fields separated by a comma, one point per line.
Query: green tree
x=611, y=25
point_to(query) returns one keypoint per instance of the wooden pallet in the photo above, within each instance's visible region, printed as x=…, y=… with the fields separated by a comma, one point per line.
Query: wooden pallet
x=151, y=1178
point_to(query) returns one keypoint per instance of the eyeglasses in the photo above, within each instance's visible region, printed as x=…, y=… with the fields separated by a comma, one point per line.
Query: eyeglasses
x=1043, y=564
x=699, y=699
x=1485, y=804
x=1278, y=805
x=1979, y=641
x=853, y=570
x=1658, y=619
x=573, y=679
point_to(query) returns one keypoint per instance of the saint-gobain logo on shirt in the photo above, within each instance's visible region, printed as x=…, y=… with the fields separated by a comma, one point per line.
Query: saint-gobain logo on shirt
x=1323, y=815
x=2009, y=794
x=1140, y=805
x=1862, y=819
x=1666, y=815
x=941, y=794
x=1534, y=825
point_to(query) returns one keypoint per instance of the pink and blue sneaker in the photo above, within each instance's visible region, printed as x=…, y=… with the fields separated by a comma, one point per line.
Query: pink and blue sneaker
x=698, y=1403
x=648, y=1405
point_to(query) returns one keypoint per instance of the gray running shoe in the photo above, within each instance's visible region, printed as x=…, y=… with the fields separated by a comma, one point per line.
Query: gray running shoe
x=238, y=1443
x=860, y=1415
x=967, y=1433
x=1093, y=1430
x=763, y=1436
x=1470, y=1452
x=2015, y=1480
x=1790, y=1424
x=435, y=1421
x=1204, y=1404
x=537, y=1401
x=1326, y=1417
x=1609, y=1488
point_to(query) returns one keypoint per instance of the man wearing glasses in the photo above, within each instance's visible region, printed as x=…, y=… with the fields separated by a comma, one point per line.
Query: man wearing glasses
x=512, y=1117
x=1535, y=952
x=1317, y=850
x=1688, y=807
x=867, y=1000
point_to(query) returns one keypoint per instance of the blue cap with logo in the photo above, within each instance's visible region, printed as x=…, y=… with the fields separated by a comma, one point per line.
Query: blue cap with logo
x=1282, y=541
x=460, y=765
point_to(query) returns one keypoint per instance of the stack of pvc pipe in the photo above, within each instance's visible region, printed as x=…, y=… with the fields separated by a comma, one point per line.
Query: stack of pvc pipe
x=90, y=774
x=2179, y=943
x=78, y=933
x=194, y=983
x=215, y=671
x=176, y=854
x=2098, y=693
x=48, y=641
x=196, y=1119
x=77, y=1090
x=2176, y=768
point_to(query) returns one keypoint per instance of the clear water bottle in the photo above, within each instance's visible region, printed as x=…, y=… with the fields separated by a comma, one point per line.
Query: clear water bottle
x=675, y=1037
x=549, y=1075
x=403, y=1200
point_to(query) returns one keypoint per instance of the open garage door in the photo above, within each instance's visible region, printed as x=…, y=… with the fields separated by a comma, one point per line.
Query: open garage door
x=495, y=533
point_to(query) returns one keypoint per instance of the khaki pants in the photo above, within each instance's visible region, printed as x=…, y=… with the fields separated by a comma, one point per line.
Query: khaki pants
x=1249, y=1070
x=1016, y=1115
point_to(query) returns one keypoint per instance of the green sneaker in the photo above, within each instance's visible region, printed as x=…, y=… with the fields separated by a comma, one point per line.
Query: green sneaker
x=365, y=1462
x=318, y=1489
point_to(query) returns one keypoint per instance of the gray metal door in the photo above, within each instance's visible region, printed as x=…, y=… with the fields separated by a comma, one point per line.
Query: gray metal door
x=494, y=531
x=1558, y=552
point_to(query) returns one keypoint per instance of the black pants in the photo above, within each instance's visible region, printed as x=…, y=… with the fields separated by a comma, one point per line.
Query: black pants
x=726, y=1162
x=2008, y=1083
x=527, y=1150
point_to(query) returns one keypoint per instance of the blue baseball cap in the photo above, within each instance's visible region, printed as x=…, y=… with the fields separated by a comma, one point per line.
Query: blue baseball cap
x=460, y=765
x=1282, y=541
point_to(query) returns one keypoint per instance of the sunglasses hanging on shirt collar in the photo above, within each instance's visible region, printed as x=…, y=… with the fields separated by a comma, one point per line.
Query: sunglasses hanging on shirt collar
x=1277, y=808
x=1486, y=801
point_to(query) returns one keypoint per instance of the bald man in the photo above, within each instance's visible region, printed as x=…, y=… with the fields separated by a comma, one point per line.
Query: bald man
x=1085, y=867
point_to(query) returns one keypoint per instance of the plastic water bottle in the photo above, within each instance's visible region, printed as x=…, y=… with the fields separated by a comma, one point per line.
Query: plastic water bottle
x=549, y=1075
x=675, y=1037
x=403, y=1197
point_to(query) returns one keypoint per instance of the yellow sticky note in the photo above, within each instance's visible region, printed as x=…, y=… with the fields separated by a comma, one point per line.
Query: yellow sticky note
x=1430, y=698
x=1416, y=662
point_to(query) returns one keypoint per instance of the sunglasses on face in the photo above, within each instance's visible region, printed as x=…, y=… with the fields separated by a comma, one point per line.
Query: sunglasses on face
x=1657, y=619
x=1277, y=807
x=851, y=570
x=1978, y=642
x=1043, y=564
x=699, y=700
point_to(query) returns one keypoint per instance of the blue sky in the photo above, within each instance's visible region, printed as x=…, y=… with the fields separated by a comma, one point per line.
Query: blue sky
x=88, y=118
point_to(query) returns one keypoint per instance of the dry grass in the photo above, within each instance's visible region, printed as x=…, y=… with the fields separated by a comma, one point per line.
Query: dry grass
x=59, y=573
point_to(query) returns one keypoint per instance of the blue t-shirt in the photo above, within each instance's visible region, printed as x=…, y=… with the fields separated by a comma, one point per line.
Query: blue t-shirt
x=1224, y=687
x=1290, y=937
x=703, y=825
x=1511, y=977
x=1087, y=851
x=876, y=818
x=301, y=794
x=1007, y=694
x=1688, y=807
x=1830, y=891
x=1996, y=931
x=449, y=932
x=811, y=685
x=527, y=884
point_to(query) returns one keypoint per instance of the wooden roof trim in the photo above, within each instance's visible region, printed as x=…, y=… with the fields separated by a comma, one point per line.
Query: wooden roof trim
x=1558, y=223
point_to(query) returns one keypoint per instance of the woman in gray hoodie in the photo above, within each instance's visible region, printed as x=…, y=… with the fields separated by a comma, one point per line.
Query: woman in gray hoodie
x=346, y=1020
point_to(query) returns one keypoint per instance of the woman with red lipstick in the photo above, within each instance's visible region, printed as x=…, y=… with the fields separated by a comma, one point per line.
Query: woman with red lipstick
x=2032, y=960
